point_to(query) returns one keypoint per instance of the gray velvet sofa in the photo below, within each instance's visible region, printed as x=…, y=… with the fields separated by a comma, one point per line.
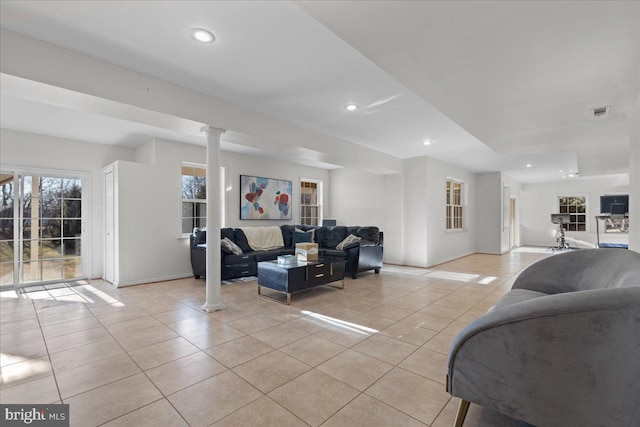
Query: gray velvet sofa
x=561, y=348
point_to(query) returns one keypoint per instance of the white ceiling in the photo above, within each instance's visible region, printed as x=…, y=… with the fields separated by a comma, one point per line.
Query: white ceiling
x=516, y=81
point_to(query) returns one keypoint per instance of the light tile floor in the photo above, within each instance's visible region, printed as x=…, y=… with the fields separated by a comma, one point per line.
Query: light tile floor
x=373, y=354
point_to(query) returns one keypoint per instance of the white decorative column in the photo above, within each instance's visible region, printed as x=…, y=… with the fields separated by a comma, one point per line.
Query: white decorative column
x=214, y=294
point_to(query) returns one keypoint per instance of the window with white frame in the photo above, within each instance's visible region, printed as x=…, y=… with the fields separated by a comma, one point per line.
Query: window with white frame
x=194, y=197
x=310, y=202
x=454, y=204
x=576, y=207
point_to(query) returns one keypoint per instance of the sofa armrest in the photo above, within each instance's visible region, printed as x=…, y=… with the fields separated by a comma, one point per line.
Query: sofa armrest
x=573, y=355
x=351, y=246
x=199, y=260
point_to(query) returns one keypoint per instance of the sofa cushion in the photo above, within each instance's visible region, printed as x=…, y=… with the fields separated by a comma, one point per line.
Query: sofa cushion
x=272, y=254
x=333, y=253
x=311, y=231
x=241, y=240
x=334, y=236
x=200, y=236
x=224, y=249
x=229, y=247
x=369, y=234
x=320, y=235
x=228, y=233
x=238, y=259
x=238, y=270
x=287, y=234
x=351, y=238
x=302, y=237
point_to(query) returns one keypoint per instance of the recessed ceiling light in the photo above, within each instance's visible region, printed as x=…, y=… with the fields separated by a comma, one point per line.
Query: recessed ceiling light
x=202, y=35
x=528, y=165
x=426, y=142
x=560, y=171
x=571, y=175
x=351, y=107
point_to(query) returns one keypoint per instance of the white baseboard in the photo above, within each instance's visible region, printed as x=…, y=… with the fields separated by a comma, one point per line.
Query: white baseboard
x=153, y=279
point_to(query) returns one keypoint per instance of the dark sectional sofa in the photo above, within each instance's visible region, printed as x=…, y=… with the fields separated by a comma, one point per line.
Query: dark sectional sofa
x=363, y=255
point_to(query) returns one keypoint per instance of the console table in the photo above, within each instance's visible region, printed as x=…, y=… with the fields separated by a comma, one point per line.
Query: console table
x=299, y=276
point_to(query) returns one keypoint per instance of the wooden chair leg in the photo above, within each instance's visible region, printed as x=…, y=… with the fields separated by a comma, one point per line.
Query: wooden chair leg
x=463, y=407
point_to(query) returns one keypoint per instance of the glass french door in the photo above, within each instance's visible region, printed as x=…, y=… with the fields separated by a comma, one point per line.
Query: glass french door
x=41, y=228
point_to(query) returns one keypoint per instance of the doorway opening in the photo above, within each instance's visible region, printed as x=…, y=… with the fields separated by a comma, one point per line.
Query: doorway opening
x=513, y=241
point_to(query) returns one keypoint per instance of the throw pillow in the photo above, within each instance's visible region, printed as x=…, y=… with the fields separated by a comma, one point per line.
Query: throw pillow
x=228, y=245
x=301, y=237
x=347, y=241
x=311, y=232
x=334, y=236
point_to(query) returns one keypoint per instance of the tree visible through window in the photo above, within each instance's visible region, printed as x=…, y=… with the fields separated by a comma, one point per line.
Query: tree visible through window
x=194, y=197
x=576, y=207
x=49, y=221
x=454, y=205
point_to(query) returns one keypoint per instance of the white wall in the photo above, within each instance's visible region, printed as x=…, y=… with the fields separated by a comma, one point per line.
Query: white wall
x=362, y=198
x=514, y=188
x=443, y=245
x=634, y=179
x=240, y=164
x=539, y=201
x=393, y=225
x=489, y=235
x=357, y=197
x=150, y=241
x=20, y=149
x=421, y=210
x=414, y=211
x=148, y=187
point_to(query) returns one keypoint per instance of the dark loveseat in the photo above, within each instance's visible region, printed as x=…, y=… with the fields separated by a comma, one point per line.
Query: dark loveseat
x=363, y=255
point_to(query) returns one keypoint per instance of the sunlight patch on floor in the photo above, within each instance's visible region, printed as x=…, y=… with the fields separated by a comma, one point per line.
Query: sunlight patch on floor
x=354, y=327
x=79, y=291
x=23, y=370
x=487, y=280
x=532, y=250
x=450, y=275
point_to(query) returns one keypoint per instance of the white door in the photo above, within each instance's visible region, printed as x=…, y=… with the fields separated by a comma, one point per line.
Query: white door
x=109, y=207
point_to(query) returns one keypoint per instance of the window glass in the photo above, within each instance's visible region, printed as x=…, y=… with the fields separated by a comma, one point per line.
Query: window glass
x=310, y=206
x=194, y=196
x=576, y=207
x=454, y=209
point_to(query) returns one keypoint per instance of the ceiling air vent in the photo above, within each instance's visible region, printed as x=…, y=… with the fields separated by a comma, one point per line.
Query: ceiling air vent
x=600, y=111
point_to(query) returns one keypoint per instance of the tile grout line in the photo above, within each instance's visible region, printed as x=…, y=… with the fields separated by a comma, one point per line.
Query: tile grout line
x=53, y=372
x=380, y=298
x=141, y=371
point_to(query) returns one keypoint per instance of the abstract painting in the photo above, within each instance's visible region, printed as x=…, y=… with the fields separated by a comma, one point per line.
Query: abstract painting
x=265, y=198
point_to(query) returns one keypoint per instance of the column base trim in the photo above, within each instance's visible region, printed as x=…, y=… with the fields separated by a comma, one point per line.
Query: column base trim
x=210, y=308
